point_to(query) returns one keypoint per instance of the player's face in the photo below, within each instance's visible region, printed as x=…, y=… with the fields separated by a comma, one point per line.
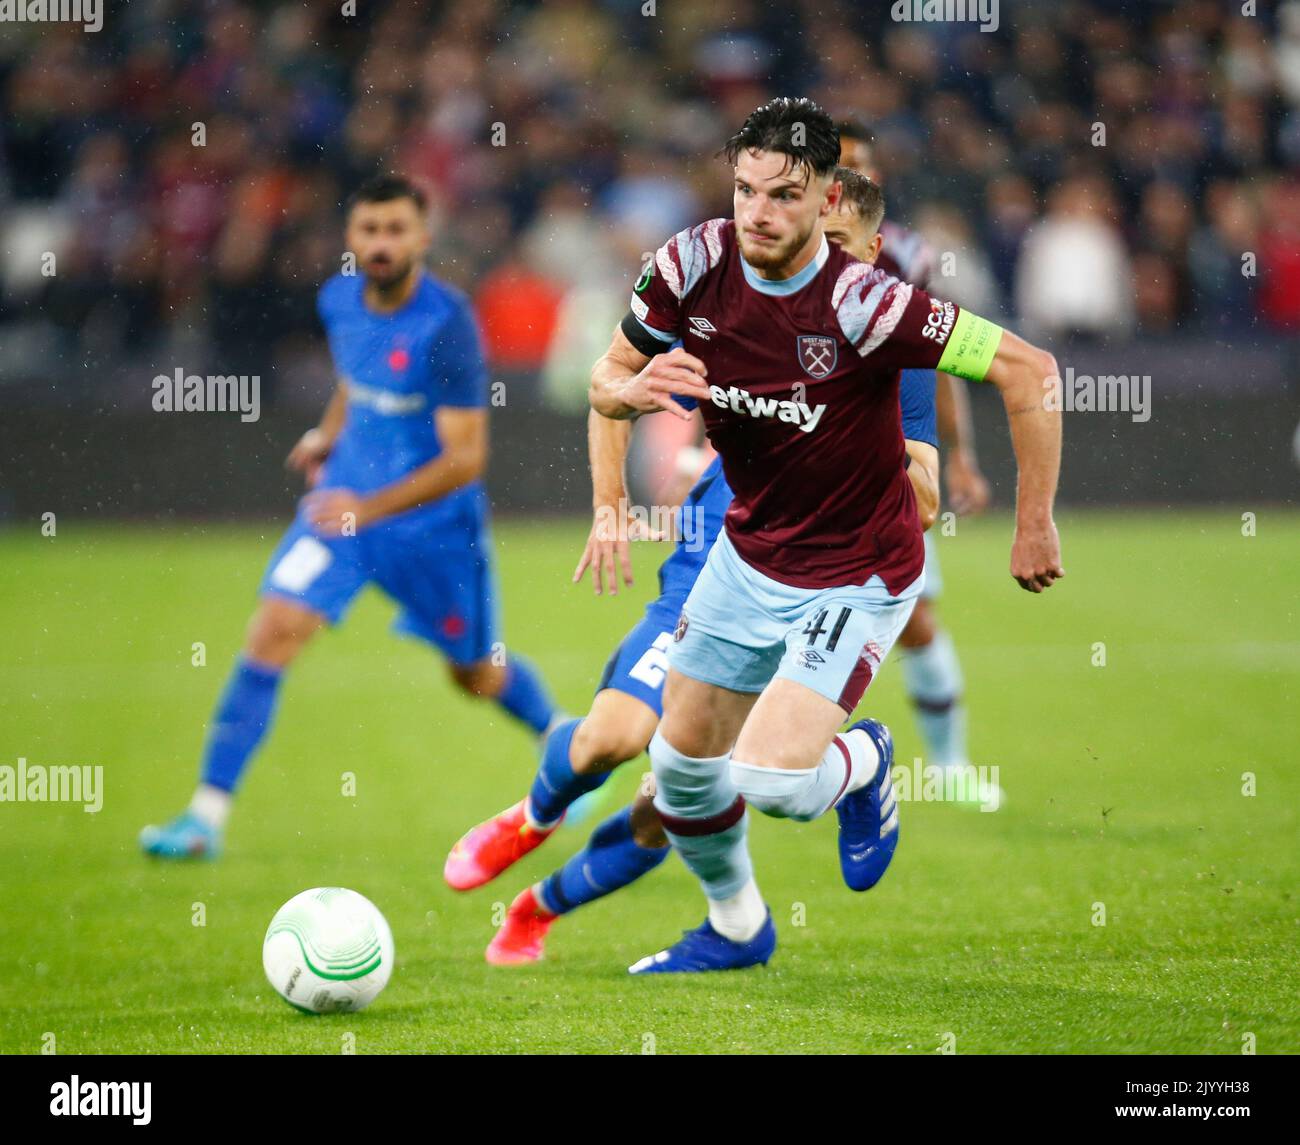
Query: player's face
x=387, y=238
x=857, y=154
x=777, y=208
x=844, y=226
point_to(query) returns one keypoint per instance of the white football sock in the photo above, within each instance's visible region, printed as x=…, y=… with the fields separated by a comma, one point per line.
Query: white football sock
x=741, y=916
x=862, y=751
x=211, y=805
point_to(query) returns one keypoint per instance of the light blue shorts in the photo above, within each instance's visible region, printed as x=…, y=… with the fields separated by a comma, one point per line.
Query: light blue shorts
x=933, y=577
x=740, y=630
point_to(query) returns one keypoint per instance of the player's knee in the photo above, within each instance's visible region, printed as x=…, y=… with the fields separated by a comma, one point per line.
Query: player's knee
x=687, y=785
x=276, y=636
x=778, y=793
x=647, y=827
x=479, y=679
x=599, y=745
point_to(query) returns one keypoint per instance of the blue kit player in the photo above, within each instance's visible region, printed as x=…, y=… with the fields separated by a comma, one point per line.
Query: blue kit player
x=397, y=501
x=579, y=755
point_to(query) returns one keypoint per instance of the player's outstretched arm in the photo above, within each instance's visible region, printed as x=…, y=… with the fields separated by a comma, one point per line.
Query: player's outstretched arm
x=606, y=553
x=923, y=473
x=1021, y=372
x=625, y=382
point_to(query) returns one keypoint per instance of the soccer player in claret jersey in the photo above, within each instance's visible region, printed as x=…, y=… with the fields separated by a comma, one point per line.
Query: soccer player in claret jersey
x=396, y=463
x=931, y=669
x=793, y=350
x=579, y=755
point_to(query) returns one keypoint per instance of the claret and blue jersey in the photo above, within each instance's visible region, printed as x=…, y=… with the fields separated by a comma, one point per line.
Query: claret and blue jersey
x=640, y=663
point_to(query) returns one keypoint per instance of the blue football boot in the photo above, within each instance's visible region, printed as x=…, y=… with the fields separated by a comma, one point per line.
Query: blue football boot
x=185, y=837
x=705, y=949
x=869, y=817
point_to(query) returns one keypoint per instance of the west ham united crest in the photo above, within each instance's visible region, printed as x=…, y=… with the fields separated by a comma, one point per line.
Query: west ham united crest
x=817, y=354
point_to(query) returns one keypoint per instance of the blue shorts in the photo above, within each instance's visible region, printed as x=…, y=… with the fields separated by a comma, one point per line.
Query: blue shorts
x=442, y=579
x=640, y=662
x=933, y=577
x=741, y=629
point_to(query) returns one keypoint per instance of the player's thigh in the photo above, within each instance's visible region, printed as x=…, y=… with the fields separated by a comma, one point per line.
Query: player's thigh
x=702, y=720
x=617, y=728
x=447, y=596
x=836, y=647
x=308, y=581
x=920, y=627
x=790, y=727
x=639, y=665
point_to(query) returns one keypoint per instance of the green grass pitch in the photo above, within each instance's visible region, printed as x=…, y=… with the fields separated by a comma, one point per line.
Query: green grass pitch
x=1124, y=781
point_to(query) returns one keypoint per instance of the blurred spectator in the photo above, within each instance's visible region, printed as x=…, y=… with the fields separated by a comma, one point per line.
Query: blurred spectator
x=1074, y=274
x=1156, y=136
x=1279, y=256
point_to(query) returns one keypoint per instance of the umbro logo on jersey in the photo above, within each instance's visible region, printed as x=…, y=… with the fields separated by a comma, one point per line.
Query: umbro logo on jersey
x=809, y=658
x=737, y=400
x=703, y=327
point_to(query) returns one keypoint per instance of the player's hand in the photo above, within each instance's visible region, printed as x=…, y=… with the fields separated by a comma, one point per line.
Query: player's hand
x=675, y=372
x=309, y=454
x=1036, y=557
x=968, y=492
x=335, y=512
x=608, y=552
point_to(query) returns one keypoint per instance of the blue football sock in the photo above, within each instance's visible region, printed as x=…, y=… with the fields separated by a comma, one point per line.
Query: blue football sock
x=933, y=678
x=557, y=784
x=242, y=718
x=525, y=696
x=612, y=859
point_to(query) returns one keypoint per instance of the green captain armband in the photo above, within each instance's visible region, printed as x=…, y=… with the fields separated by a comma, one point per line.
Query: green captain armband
x=971, y=347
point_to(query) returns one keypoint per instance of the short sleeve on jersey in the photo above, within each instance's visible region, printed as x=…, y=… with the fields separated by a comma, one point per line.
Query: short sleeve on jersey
x=666, y=280
x=916, y=400
x=458, y=369
x=896, y=326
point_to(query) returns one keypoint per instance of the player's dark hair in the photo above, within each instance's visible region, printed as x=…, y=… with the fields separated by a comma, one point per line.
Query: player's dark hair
x=864, y=196
x=387, y=189
x=854, y=128
x=797, y=128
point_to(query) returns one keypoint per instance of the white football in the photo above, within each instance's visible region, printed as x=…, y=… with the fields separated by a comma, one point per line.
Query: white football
x=328, y=949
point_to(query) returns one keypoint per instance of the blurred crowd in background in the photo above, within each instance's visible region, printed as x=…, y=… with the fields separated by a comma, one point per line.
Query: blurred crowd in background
x=1095, y=169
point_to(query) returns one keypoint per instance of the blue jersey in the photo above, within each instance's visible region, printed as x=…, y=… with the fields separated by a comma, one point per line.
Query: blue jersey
x=398, y=369
x=706, y=504
x=701, y=522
